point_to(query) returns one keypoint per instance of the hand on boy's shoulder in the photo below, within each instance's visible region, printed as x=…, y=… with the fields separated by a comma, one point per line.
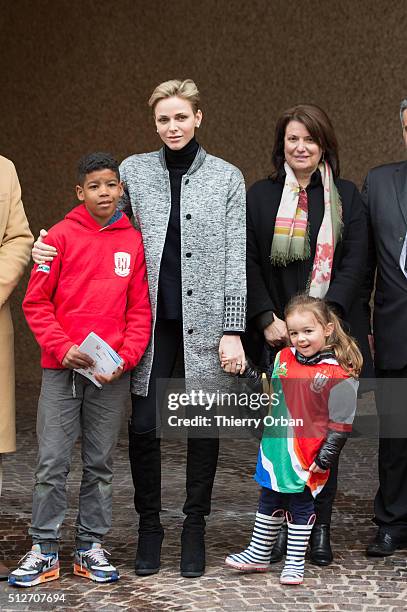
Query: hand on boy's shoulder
x=46, y=248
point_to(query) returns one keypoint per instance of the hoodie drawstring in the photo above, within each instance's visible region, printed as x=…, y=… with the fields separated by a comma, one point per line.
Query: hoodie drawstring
x=73, y=383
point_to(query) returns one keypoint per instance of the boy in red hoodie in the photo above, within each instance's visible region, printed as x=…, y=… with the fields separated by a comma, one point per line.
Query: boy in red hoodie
x=96, y=283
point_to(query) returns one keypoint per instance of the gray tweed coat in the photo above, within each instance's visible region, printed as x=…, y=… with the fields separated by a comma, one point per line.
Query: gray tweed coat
x=213, y=254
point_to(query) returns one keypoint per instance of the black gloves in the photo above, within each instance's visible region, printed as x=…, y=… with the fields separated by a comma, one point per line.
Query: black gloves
x=252, y=376
x=330, y=449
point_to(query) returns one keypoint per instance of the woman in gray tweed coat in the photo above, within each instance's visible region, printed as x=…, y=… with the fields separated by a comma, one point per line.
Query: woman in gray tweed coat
x=190, y=208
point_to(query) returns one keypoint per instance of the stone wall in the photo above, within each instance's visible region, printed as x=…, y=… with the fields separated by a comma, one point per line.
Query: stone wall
x=76, y=76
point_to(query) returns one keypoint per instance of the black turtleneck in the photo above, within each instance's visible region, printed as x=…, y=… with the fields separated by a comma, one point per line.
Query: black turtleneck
x=169, y=304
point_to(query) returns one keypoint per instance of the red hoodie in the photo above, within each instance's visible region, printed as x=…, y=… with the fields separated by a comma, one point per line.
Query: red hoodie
x=96, y=283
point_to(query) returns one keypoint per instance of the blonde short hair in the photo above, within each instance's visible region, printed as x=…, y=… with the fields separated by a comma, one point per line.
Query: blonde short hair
x=186, y=89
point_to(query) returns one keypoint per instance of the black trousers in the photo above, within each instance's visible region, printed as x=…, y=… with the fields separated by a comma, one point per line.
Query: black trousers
x=324, y=501
x=144, y=442
x=390, y=504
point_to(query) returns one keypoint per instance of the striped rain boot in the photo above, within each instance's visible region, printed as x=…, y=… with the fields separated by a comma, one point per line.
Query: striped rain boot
x=297, y=542
x=256, y=557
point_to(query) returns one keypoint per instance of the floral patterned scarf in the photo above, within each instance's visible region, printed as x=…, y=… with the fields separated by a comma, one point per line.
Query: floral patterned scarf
x=291, y=232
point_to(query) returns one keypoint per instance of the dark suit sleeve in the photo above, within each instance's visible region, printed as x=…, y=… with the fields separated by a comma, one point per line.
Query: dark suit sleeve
x=258, y=297
x=350, y=270
x=368, y=282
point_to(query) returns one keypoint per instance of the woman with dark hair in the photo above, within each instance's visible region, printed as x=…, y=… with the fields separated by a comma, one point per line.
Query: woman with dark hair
x=306, y=232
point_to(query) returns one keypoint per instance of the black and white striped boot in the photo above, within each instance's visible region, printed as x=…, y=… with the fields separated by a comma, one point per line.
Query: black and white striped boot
x=256, y=557
x=297, y=542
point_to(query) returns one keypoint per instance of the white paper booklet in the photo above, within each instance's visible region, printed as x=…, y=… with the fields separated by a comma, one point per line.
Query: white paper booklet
x=105, y=358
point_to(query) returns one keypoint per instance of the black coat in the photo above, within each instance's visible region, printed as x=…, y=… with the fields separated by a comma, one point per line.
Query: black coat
x=270, y=287
x=385, y=196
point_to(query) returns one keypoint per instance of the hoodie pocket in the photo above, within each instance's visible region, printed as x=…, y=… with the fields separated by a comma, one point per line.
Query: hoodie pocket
x=106, y=296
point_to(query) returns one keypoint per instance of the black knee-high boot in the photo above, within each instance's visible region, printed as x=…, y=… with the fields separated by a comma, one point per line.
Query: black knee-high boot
x=145, y=462
x=202, y=458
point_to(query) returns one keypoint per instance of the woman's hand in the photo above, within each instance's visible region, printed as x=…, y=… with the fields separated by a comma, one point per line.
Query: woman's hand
x=75, y=359
x=315, y=469
x=276, y=333
x=105, y=380
x=42, y=252
x=231, y=354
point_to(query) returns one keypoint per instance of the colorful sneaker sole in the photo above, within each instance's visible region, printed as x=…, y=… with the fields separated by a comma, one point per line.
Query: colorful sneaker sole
x=247, y=567
x=85, y=573
x=52, y=574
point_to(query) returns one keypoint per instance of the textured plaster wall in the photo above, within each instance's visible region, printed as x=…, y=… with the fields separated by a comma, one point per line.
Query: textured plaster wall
x=76, y=75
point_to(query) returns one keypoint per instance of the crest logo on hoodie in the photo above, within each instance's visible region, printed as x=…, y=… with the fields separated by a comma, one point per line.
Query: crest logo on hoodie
x=122, y=263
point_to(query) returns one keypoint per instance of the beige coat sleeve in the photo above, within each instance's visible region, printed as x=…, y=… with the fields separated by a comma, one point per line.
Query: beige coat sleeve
x=15, y=236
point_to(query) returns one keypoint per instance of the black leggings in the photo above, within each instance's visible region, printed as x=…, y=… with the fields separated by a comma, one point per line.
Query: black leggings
x=167, y=345
x=300, y=505
x=145, y=457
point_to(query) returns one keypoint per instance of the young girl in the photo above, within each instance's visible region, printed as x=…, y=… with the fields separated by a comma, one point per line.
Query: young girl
x=312, y=410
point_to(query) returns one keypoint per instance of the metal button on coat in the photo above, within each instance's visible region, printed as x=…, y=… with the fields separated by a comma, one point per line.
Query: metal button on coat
x=188, y=216
x=190, y=331
x=188, y=254
x=189, y=292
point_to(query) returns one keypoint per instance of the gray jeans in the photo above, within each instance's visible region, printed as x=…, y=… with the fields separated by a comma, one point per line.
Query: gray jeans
x=96, y=414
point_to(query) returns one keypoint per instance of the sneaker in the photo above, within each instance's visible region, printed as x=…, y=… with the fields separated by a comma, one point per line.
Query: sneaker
x=92, y=564
x=35, y=568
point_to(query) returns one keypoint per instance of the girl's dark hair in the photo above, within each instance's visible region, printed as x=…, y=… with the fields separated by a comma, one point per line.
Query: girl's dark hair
x=96, y=161
x=320, y=128
x=346, y=350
